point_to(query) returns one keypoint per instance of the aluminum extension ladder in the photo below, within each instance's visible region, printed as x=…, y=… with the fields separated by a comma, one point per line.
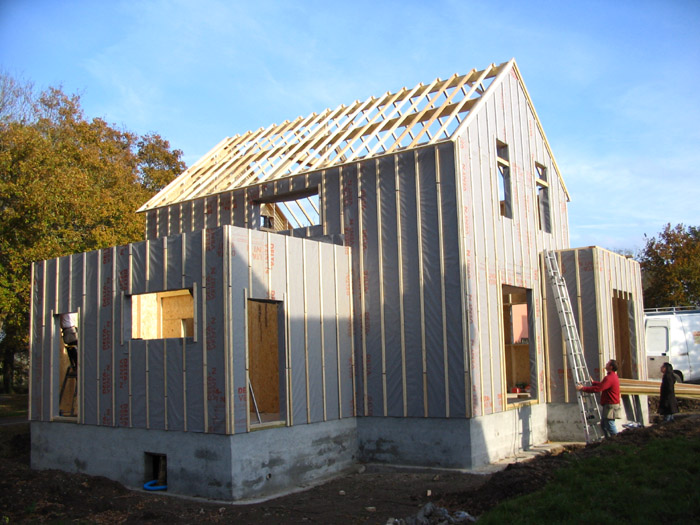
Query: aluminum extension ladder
x=588, y=405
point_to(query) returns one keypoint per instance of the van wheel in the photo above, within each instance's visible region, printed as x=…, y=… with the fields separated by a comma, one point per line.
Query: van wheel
x=679, y=376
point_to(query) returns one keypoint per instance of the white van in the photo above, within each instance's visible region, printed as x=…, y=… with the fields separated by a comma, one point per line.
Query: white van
x=673, y=335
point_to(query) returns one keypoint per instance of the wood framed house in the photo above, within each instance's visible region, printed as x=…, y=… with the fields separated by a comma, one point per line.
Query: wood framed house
x=363, y=284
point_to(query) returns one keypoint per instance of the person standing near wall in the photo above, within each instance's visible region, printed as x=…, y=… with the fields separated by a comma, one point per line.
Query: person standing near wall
x=609, y=389
x=668, y=405
x=69, y=333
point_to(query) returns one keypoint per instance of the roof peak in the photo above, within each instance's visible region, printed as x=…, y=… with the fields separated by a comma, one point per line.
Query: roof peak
x=408, y=118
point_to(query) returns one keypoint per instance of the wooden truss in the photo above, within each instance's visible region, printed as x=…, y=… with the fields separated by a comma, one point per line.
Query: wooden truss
x=410, y=117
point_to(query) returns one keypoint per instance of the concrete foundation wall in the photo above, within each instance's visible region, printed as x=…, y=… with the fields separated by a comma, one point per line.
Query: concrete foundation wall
x=238, y=467
x=274, y=461
x=451, y=443
x=564, y=419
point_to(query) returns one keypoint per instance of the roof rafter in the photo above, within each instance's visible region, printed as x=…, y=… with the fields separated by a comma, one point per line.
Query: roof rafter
x=425, y=114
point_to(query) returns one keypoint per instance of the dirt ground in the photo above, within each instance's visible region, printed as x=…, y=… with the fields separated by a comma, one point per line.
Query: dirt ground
x=366, y=496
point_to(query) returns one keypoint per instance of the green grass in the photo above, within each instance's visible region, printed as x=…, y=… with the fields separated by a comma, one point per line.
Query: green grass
x=13, y=405
x=658, y=483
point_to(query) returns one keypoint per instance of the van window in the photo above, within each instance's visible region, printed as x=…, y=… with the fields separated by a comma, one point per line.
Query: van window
x=657, y=340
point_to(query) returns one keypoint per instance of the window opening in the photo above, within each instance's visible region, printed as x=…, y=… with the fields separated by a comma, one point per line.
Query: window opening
x=290, y=211
x=520, y=355
x=504, y=189
x=162, y=315
x=266, y=363
x=542, y=186
x=267, y=222
x=657, y=348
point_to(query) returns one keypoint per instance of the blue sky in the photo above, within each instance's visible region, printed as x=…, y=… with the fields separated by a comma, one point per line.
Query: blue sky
x=615, y=84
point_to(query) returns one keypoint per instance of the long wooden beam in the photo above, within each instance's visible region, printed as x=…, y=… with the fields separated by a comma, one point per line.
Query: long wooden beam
x=652, y=388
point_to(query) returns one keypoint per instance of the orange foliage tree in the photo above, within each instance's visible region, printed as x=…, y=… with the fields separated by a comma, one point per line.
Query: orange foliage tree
x=68, y=184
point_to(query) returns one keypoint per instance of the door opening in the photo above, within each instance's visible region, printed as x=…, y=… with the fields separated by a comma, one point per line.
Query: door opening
x=67, y=327
x=621, y=328
x=266, y=363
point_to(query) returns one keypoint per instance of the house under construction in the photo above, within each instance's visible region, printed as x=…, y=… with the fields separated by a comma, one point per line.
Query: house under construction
x=365, y=284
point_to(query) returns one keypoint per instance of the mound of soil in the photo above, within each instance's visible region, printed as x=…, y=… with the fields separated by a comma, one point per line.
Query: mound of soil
x=366, y=496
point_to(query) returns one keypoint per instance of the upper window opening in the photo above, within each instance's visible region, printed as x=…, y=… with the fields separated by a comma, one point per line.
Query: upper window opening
x=502, y=151
x=162, y=315
x=504, y=190
x=543, y=213
x=267, y=222
x=290, y=211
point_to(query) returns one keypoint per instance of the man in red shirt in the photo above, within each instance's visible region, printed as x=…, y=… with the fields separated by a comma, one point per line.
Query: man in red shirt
x=609, y=389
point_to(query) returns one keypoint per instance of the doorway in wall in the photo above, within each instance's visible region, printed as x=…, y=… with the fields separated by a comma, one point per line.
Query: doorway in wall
x=622, y=329
x=266, y=363
x=519, y=350
x=66, y=328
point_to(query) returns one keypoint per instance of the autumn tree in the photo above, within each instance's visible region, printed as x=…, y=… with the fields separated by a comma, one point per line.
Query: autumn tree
x=671, y=267
x=67, y=185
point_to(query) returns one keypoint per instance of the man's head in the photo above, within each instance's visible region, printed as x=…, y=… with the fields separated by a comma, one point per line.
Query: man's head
x=611, y=366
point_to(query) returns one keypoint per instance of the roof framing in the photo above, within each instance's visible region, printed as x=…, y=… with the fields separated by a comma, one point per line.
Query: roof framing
x=423, y=115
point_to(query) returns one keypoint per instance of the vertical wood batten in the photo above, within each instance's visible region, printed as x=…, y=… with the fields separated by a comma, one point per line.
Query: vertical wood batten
x=322, y=338
x=228, y=337
x=380, y=269
x=306, y=329
x=564, y=353
x=443, y=307
x=597, y=287
x=203, y=306
x=337, y=335
x=461, y=186
x=113, y=302
x=288, y=343
x=480, y=235
x=98, y=342
x=421, y=282
x=351, y=324
x=54, y=358
x=81, y=337
x=401, y=285
x=545, y=326
x=183, y=284
x=249, y=393
x=359, y=243
x=491, y=261
x=32, y=342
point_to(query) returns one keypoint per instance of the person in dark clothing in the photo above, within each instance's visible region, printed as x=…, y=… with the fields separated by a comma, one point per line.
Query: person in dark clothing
x=668, y=405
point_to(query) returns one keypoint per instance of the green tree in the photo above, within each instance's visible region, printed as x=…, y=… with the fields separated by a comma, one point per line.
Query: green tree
x=67, y=185
x=671, y=267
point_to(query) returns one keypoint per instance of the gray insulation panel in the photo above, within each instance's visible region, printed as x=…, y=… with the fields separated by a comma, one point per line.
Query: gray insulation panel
x=405, y=321
x=593, y=275
x=194, y=383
